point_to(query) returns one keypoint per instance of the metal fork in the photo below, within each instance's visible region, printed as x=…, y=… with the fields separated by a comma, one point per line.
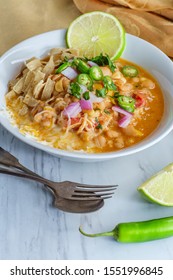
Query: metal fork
x=67, y=190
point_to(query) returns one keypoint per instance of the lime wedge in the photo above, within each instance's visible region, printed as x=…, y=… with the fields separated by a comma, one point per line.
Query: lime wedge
x=95, y=33
x=159, y=188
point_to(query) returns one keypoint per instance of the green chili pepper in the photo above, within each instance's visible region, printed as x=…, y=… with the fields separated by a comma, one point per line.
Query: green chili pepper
x=86, y=95
x=129, y=71
x=127, y=103
x=62, y=67
x=82, y=66
x=96, y=73
x=85, y=80
x=139, y=231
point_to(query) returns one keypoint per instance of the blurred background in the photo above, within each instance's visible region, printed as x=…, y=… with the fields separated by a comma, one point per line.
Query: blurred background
x=20, y=19
x=150, y=20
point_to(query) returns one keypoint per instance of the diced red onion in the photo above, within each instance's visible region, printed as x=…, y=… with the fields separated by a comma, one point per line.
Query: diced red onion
x=91, y=63
x=72, y=110
x=95, y=99
x=121, y=111
x=69, y=73
x=124, y=121
x=86, y=104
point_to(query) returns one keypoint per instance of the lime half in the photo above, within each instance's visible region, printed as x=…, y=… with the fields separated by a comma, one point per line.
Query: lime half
x=159, y=188
x=95, y=33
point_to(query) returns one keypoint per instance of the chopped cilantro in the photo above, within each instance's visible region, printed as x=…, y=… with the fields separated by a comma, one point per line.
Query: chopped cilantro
x=99, y=126
x=108, y=83
x=75, y=90
x=101, y=92
x=103, y=60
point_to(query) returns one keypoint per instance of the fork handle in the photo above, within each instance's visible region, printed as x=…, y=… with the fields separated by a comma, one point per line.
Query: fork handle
x=15, y=172
x=8, y=160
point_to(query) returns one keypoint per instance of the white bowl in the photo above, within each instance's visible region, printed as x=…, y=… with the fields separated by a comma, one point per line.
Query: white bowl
x=137, y=51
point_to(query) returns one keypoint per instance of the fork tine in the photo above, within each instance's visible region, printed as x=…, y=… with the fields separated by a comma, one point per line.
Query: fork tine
x=93, y=192
x=89, y=198
x=78, y=191
x=83, y=194
x=83, y=186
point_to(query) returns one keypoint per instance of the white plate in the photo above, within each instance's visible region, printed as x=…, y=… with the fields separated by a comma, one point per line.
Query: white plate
x=137, y=50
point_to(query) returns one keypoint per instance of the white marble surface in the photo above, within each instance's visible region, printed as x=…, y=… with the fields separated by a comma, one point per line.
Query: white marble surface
x=30, y=228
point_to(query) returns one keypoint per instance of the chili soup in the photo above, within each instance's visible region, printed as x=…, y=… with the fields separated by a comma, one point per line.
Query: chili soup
x=78, y=104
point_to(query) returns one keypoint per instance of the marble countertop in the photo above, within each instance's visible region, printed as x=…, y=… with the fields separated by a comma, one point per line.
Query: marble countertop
x=31, y=228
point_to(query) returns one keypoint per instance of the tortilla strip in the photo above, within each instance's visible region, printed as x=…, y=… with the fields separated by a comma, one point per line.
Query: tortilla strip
x=10, y=94
x=18, y=87
x=49, y=67
x=30, y=87
x=25, y=71
x=48, y=89
x=38, y=89
x=38, y=76
x=33, y=64
x=29, y=91
x=30, y=101
x=12, y=83
x=28, y=79
x=57, y=51
x=32, y=78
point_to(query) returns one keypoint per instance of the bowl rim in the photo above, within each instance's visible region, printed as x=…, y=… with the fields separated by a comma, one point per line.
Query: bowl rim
x=80, y=155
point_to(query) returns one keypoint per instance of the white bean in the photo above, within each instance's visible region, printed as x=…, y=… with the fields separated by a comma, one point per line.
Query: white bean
x=112, y=134
x=148, y=84
x=100, y=141
x=126, y=87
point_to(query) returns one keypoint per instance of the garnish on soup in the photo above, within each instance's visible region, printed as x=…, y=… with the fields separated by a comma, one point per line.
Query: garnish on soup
x=91, y=105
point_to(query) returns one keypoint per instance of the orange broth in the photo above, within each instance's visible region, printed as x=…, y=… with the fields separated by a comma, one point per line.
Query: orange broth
x=145, y=124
